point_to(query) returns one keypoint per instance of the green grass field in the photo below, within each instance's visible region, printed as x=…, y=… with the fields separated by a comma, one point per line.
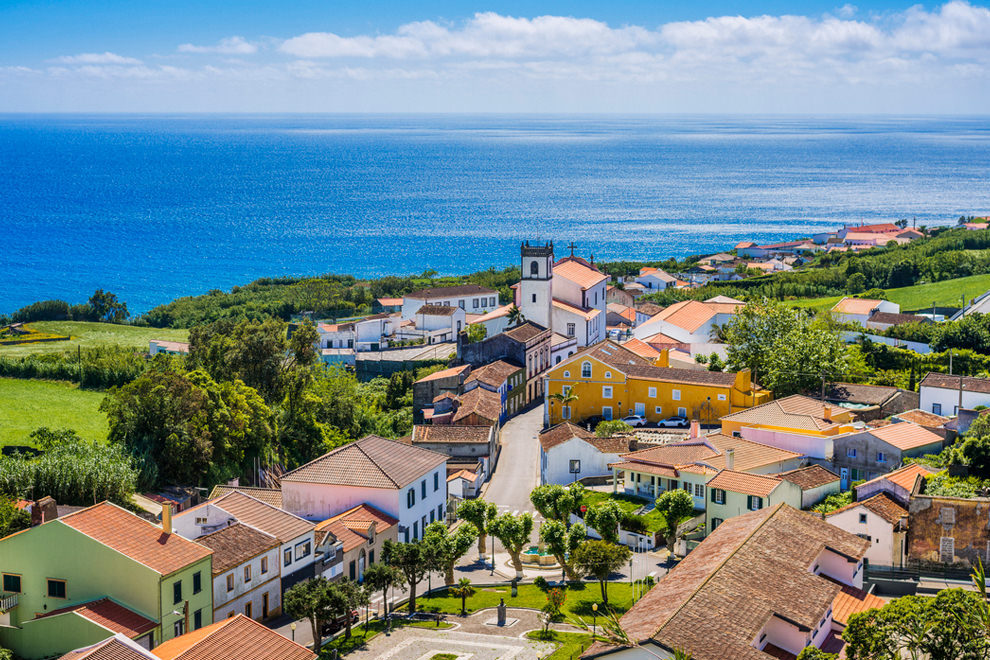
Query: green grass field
x=90, y=335
x=628, y=504
x=918, y=297
x=571, y=645
x=26, y=405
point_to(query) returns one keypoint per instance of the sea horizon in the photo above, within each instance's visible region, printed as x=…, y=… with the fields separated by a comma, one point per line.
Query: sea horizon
x=155, y=206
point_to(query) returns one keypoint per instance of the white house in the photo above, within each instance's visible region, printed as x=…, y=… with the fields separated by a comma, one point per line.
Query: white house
x=245, y=572
x=859, y=310
x=434, y=324
x=472, y=298
x=569, y=453
x=335, y=335
x=943, y=394
x=690, y=322
x=156, y=346
x=295, y=535
x=494, y=322
x=406, y=482
x=881, y=521
x=654, y=279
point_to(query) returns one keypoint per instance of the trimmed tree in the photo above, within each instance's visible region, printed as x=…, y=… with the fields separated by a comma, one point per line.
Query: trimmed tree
x=513, y=532
x=674, y=507
x=562, y=542
x=344, y=597
x=310, y=600
x=447, y=547
x=463, y=590
x=601, y=559
x=380, y=577
x=555, y=502
x=604, y=517
x=480, y=514
x=413, y=559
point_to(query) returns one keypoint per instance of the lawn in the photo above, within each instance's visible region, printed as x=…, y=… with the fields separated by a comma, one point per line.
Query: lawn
x=28, y=404
x=628, y=504
x=359, y=638
x=571, y=645
x=917, y=298
x=579, y=598
x=90, y=335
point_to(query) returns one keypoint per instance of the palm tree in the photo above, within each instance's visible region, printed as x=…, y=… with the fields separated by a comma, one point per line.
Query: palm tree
x=516, y=316
x=463, y=590
x=564, y=398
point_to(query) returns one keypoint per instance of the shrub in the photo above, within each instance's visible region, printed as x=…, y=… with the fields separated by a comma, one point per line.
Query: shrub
x=541, y=583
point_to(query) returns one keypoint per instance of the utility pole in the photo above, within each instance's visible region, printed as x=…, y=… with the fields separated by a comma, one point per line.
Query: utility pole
x=950, y=362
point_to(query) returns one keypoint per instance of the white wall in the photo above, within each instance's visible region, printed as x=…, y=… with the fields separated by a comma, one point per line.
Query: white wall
x=318, y=502
x=412, y=517
x=839, y=568
x=299, y=560
x=225, y=601
x=949, y=400
x=411, y=305
x=808, y=445
x=880, y=531
x=555, y=464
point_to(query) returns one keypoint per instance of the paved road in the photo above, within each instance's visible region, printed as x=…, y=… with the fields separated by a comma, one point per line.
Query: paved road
x=518, y=469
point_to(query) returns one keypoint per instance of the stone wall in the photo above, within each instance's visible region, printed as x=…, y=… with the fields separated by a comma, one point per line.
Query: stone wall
x=949, y=530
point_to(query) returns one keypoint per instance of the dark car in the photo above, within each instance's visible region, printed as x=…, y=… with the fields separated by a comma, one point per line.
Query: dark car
x=335, y=625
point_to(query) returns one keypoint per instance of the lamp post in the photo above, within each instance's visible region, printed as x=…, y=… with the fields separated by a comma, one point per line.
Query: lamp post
x=292, y=627
x=594, y=620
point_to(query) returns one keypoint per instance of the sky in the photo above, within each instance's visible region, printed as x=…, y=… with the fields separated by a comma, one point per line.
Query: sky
x=655, y=56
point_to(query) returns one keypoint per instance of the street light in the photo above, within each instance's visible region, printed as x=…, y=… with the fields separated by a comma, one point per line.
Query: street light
x=594, y=620
x=292, y=627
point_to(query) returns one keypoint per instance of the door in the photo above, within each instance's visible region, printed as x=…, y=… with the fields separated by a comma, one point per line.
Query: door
x=640, y=409
x=264, y=606
x=844, y=476
x=607, y=412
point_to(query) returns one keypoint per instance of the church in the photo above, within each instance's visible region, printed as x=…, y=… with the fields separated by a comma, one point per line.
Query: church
x=567, y=296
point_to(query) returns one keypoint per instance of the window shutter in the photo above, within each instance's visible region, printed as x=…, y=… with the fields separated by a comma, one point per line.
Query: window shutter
x=713, y=493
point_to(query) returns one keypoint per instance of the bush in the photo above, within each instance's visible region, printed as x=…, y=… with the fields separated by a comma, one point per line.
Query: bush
x=541, y=584
x=633, y=523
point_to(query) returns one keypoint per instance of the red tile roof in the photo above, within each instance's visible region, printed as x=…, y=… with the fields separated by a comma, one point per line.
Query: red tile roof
x=493, y=374
x=351, y=527
x=111, y=615
x=851, y=601
x=746, y=483
x=811, y=476
x=235, y=544
x=279, y=523
x=135, y=537
x=445, y=373
x=236, y=638
x=906, y=436
x=372, y=462
x=880, y=504
x=965, y=383
x=577, y=272
x=904, y=477
x=113, y=648
x=863, y=306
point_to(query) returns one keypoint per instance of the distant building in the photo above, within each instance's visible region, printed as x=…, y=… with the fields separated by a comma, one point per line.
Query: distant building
x=428, y=388
x=943, y=394
x=361, y=533
x=859, y=310
x=471, y=298
x=871, y=452
x=245, y=572
x=156, y=346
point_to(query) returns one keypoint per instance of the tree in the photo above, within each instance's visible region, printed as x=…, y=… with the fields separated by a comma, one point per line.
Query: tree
x=555, y=502
x=552, y=608
x=674, y=507
x=610, y=427
x=564, y=398
x=380, y=577
x=344, y=597
x=513, y=532
x=413, y=559
x=813, y=653
x=463, y=590
x=479, y=513
x=788, y=350
x=476, y=332
x=604, y=517
x=106, y=308
x=48, y=439
x=447, y=547
x=515, y=316
x=600, y=559
x=562, y=542
x=310, y=600
x=12, y=519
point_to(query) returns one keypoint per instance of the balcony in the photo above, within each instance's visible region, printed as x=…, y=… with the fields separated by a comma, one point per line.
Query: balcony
x=8, y=602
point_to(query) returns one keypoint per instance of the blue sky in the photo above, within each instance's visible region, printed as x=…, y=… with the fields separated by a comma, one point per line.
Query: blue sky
x=514, y=56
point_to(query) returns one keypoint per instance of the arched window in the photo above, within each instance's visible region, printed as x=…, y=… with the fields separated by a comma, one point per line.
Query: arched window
x=585, y=370
x=534, y=268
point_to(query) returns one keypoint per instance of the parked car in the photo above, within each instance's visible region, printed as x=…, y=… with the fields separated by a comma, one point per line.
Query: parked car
x=634, y=420
x=676, y=422
x=592, y=422
x=335, y=625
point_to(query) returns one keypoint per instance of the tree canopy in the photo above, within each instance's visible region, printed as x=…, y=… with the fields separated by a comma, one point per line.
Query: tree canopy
x=600, y=559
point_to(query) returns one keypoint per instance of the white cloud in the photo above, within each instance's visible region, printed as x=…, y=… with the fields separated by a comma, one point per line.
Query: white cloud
x=228, y=46
x=96, y=58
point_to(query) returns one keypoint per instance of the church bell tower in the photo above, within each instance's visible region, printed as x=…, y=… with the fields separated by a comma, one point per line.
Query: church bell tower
x=536, y=286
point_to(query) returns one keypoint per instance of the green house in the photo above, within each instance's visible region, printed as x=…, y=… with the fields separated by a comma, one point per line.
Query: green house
x=732, y=494
x=81, y=578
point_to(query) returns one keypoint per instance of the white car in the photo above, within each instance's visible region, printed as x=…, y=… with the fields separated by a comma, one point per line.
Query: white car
x=676, y=422
x=634, y=420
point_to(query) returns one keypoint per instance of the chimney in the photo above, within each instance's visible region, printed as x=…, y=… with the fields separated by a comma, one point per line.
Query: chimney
x=730, y=459
x=167, y=518
x=43, y=510
x=695, y=429
x=827, y=412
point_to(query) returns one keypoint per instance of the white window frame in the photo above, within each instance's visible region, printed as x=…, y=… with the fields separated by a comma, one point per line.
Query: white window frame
x=850, y=452
x=657, y=410
x=586, y=366
x=653, y=392
x=682, y=412
x=606, y=391
x=722, y=397
x=565, y=412
x=675, y=395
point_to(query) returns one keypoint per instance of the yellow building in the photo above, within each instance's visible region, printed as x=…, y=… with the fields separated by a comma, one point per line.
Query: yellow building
x=611, y=382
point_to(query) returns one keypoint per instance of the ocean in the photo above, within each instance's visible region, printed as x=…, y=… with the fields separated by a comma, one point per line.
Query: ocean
x=154, y=207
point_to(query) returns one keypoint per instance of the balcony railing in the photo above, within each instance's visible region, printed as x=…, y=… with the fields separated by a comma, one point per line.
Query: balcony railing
x=8, y=602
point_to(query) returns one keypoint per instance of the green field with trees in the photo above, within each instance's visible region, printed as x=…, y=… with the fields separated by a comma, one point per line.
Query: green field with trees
x=88, y=334
x=26, y=405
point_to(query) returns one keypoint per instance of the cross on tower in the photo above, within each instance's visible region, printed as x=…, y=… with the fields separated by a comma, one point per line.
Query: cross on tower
x=572, y=246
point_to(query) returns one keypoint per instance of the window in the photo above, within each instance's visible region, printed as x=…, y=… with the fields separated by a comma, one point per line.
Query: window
x=422, y=523
x=287, y=556
x=937, y=408
x=410, y=498
x=755, y=503
x=230, y=582
x=687, y=487
x=415, y=532
x=718, y=496
x=534, y=297
x=862, y=519
x=491, y=301
x=566, y=389
x=264, y=562
x=715, y=523
x=371, y=556
x=352, y=569
x=197, y=582
x=422, y=489
x=653, y=392
x=534, y=268
x=607, y=413
x=881, y=458
x=699, y=490
x=608, y=374
x=11, y=583
x=571, y=329
x=575, y=466
x=856, y=476
x=179, y=627
x=850, y=452
x=177, y=592
x=303, y=549
x=682, y=412
x=247, y=609
x=567, y=374
x=197, y=619
x=721, y=397
x=432, y=517
x=436, y=481
x=606, y=391
x=247, y=573
x=658, y=410
x=675, y=395
x=585, y=370
x=460, y=303
x=439, y=512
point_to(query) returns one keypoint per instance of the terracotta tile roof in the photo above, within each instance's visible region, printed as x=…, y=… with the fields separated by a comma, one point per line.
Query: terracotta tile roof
x=582, y=275
x=351, y=527
x=498, y=312
x=645, y=468
x=586, y=314
x=882, y=228
x=114, y=648
x=463, y=474
x=111, y=615
x=525, y=331
x=389, y=302
x=744, y=244
x=896, y=319
x=371, y=461
x=437, y=310
x=561, y=433
x=880, y=504
x=279, y=523
x=906, y=436
x=641, y=349
x=235, y=544
x=445, y=373
x=556, y=339
x=851, y=600
x=746, y=483
x=904, y=477
x=236, y=638
x=795, y=412
x=812, y=476
x=752, y=567
x=451, y=434
x=272, y=496
x=692, y=314
x=610, y=353
x=135, y=537
x=660, y=339
x=648, y=308
x=922, y=417
x=451, y=292
x=862, y=306
x=945, y=381
x=709, y=451
x=485, y=403
x=494, y=373
x=872, y=395
x=684, y=376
